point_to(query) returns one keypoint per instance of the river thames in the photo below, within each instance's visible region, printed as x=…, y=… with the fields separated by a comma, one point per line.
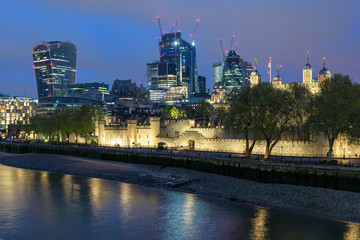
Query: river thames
x=44, y=205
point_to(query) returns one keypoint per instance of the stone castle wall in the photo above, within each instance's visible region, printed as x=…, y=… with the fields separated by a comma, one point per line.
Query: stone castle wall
x=179, y=134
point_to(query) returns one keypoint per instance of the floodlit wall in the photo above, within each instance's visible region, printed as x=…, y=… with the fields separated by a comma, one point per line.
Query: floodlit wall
x=130, y=135
x=178, y=134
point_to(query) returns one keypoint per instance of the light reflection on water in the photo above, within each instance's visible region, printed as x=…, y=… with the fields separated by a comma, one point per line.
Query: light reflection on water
x=352, y=232
x=259, y=230
x=43, y=205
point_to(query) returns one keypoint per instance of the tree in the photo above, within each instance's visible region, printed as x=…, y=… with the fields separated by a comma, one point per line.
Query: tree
x=88, y=116
x=204, y=109
x=277, y=111
x=335, y=110
x=43, y=125
x=242, y=117
x=220, y=116
x=67, y=123
x=173, y=113
x=190, y=112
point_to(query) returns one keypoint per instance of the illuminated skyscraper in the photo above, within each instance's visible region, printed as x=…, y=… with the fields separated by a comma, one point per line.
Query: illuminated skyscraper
x=218, y=71
x=236, y=72
x=55, y=67
x=175, y=52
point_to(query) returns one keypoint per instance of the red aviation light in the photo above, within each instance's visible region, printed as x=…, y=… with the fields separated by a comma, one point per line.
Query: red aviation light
x=34, y=66
x=51, y=64
x=280, y=66
x=198, y=20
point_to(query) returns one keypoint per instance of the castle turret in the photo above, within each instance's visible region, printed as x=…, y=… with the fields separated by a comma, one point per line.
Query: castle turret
x=324, y=73
x=255, y=76
x=277, y=80
x=307, y=71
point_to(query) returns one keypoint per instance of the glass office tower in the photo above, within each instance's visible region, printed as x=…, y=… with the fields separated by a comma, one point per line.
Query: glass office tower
x=236, y=72
x=175, y=50
x=55, y=67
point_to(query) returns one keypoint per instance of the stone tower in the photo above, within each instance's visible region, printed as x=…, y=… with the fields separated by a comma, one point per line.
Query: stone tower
x=277, y=80
x=255, y=76
x=324, y=73
x=307, y=71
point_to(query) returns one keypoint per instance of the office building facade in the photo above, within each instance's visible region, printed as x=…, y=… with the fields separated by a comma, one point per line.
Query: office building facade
x=92, y=90
x=218, y=72
x=55, y=67
x=236, y=72
x=15, y=111
x=177, y=67
x=173, y=49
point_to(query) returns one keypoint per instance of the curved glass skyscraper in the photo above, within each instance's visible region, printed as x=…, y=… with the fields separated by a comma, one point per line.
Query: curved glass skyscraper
x=236, y=72
x=55, y=67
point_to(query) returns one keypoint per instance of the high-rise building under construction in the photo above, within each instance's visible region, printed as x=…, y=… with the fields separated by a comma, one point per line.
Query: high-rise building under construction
x=177, y=66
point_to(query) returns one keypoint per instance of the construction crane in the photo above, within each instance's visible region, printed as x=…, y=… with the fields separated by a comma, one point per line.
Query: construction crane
x=158, y=40
x=174, y=26
x=196, y=29
x=222, y=48
x=232, y=41
x=158, y=19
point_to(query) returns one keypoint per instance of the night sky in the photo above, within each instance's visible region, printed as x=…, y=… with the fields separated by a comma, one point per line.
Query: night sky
x=115, y=38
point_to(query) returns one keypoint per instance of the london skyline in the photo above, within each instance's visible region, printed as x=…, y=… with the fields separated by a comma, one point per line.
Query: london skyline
x=116, y=40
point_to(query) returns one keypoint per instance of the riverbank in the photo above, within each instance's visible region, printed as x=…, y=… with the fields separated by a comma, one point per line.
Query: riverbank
x=321, y=202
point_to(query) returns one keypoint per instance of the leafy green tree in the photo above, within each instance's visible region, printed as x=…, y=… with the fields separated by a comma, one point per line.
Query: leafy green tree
x=242, y=118
x=335, y=110
x=43, y=125
x=277, y=111
x=173, y=113
x=88, y=116
x=66, y=121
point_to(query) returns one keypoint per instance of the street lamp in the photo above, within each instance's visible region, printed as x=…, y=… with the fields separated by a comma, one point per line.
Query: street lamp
x=258, y=153
x=349, y=157
x=344, y=152
x=282, y=150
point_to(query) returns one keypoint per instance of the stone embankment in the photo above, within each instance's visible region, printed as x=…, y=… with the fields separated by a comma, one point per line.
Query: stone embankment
x=327, y=203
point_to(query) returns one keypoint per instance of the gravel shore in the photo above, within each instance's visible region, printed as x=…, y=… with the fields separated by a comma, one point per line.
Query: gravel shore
x=321, y=202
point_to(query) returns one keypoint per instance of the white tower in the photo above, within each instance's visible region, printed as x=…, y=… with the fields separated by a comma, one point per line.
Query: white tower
x=307, y=71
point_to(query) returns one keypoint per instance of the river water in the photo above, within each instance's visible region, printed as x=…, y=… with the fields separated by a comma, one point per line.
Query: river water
x=43, y=205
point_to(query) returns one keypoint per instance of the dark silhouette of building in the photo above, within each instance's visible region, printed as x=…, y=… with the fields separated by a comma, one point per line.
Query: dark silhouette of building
x=123, y=89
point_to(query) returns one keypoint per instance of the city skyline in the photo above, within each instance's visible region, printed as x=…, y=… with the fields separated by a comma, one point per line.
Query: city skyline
x=111, y=36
